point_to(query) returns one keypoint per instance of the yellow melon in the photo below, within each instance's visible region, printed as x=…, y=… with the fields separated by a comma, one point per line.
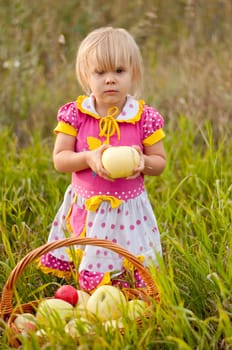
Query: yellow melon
x=120, y=161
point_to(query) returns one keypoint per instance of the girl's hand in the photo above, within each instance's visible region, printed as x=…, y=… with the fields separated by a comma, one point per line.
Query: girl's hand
x=95, y=163
x=139, y=169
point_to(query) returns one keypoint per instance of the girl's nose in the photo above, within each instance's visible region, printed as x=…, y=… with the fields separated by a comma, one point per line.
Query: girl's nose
x=110, y=79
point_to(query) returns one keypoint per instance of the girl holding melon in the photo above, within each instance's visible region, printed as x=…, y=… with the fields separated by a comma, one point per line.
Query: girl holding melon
x=108, y=140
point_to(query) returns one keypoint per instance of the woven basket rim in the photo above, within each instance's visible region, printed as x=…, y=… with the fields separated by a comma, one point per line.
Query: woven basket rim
x=6, y=305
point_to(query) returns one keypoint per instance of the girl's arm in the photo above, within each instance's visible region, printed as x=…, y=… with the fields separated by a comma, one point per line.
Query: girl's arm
x=153, y=160
x=67, y=160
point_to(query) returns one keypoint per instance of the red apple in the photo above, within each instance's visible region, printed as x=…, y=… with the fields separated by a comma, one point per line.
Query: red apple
x=67, y=293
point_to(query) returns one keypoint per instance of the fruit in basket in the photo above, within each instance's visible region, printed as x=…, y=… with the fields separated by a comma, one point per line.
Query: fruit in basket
x=80, y=309
x=53, y=311
x=120, y=161
x=41, y=333
x=83, y=298
x=113, y=324
x=107, y=303
x=77, y=327
x=136, y=308
x=25, y=322
x=67, y=293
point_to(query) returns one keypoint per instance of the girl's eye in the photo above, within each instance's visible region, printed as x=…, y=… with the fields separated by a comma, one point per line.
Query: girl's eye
x=100, y=72
x=119, y=70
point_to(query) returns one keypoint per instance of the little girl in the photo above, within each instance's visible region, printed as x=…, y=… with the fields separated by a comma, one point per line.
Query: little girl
x=109, y=69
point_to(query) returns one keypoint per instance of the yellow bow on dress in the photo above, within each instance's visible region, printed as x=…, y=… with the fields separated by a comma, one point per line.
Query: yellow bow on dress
x=94, y=202
x=108, y=125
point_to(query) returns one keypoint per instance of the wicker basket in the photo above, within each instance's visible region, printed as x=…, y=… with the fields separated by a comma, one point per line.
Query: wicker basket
x=8, y=310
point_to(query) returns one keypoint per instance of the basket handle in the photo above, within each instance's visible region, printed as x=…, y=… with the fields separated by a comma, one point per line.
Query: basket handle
x=6, y=305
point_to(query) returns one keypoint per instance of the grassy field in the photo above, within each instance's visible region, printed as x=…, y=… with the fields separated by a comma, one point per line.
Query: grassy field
x=188, y=77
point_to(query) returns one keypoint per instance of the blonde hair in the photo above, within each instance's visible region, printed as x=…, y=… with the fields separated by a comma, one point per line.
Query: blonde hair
x=111, y=48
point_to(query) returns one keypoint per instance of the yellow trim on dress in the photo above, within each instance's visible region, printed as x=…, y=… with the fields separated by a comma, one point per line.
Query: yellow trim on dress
x=137, y=117
x=133, y=120
x=67, y=220
x=65, y=128
x=78, y=255
x=79, y=102
x=105, y=280
x=129, y=266
x=57, y=273
x=153, y=138
x=94, y=202
x=68, y=215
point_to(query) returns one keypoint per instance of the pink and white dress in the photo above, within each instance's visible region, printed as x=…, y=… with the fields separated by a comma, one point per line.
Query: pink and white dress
x=118, y=211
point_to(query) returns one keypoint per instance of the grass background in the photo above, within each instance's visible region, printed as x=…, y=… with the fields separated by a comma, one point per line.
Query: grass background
x=187, y=51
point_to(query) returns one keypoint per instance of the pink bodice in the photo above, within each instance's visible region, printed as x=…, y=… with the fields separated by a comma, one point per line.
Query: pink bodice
x=137, y=124
x=87, y=184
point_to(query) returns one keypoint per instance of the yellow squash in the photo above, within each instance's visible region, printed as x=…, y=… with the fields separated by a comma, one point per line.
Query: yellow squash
x=120, y=161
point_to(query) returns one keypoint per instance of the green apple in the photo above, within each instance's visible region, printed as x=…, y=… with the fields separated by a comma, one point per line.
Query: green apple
x=80, y=309
x=83, y=297
x=77, y=327
x=113, y=324
x=53, y=311
x=41, y=333
x=136, y=308
x=107, y=303
x=25, y=323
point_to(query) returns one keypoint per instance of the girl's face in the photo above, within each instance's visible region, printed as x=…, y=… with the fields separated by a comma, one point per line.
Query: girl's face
x=110, y=87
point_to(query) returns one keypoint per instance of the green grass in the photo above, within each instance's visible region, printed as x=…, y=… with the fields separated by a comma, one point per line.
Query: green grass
x=192, y=202
x=187, y=55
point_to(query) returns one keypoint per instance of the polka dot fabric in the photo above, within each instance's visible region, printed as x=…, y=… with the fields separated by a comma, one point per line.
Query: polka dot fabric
x=152, y=121
x=68, y=114
x=132, y=224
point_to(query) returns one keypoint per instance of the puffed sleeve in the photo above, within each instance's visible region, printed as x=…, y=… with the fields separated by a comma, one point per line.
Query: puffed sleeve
x=153, y=124
x=67, y=119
